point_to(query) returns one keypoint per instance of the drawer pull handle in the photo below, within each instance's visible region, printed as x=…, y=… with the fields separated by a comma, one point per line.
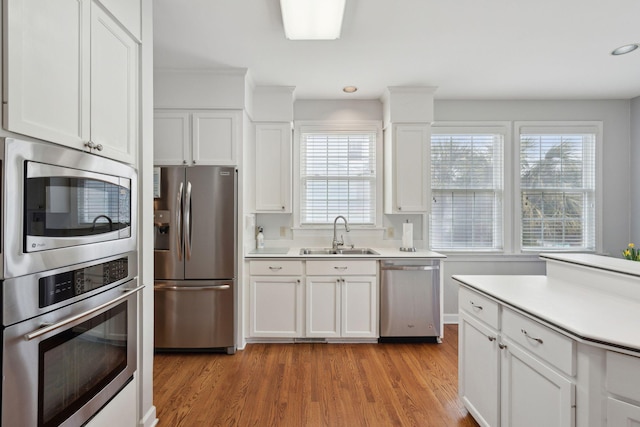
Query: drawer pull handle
x=275, y=268
x=502, y=346
x=341, y=268
x=475, y=306
x=491, y=338
x=539, y=340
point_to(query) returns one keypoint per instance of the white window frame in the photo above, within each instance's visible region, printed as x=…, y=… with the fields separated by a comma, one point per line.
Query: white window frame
x=503, y=128
x=365, y=126
x=557, y=127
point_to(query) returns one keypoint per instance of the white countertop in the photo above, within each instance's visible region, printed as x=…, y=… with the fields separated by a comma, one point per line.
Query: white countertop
x=294, y=252
x=618, y=265
x=585, y=314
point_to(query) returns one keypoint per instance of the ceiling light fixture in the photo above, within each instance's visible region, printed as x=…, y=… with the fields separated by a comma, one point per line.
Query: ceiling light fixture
x=349, y=89
x=624, y=49
x=312, y=19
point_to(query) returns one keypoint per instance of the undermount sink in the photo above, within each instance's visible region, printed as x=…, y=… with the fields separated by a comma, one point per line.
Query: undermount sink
x=341, y=251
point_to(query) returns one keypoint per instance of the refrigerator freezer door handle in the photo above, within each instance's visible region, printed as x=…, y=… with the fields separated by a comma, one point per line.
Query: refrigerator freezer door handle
x=179, y=221
x=187, y=222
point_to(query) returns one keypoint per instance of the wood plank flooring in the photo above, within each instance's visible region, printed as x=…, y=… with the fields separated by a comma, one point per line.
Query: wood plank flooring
x=313, y=385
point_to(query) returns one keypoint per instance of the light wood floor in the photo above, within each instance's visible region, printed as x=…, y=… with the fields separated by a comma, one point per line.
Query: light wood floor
x=313, y=385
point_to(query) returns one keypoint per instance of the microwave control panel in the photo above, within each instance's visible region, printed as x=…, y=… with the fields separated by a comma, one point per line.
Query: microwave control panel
x=63, y=286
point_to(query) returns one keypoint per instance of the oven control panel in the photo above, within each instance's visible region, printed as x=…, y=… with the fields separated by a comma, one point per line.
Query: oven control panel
x=63, y=286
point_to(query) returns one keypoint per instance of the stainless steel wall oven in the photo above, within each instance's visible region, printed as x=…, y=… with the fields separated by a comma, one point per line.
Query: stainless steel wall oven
x=63, y=206
x=68, y=341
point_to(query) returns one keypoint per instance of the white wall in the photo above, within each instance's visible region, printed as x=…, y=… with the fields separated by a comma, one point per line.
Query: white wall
x=634, y=170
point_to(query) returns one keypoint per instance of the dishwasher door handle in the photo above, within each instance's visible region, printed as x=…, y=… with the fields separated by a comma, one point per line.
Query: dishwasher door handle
x=409, y=267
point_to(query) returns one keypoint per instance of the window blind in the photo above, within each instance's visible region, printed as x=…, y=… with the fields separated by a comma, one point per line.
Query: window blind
x=467, y=191
x=557, y=189
x=338, y=177
x=102, y=198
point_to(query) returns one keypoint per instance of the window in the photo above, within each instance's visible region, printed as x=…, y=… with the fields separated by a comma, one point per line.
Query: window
x=338, y=176
x=557, y=188
x=467, y=189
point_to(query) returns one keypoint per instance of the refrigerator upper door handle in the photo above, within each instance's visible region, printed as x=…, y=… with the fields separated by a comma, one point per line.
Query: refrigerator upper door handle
x=179, y=221
x=187, y=222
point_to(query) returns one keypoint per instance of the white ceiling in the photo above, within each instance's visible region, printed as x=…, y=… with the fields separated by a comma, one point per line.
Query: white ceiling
x=468, y=49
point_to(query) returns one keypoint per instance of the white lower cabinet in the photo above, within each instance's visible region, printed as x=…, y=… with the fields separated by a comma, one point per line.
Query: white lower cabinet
x=479, y=370
x=341, y=307
x=284, y=303
x=276, y=299
x=513, y=371
x=623, y=376
x=533, y=394
x=620, y=413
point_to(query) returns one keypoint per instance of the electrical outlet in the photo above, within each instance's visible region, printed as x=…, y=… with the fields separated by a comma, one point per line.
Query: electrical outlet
x=283, y=231
x=390, y=232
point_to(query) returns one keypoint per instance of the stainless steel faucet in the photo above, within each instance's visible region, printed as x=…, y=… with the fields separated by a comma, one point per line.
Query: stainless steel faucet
x=335, y=243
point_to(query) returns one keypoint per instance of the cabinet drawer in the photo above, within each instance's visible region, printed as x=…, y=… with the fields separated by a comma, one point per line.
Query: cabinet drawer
x=275, y=268
x=547, y=344
x=478, y=306
x=342, y=268
x=623, y=375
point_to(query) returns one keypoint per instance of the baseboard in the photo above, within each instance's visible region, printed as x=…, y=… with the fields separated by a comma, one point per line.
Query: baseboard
x=149, y=420
x=450, y=319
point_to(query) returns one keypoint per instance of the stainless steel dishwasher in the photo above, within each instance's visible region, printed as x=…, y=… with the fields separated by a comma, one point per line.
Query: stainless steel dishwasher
x=410, y=301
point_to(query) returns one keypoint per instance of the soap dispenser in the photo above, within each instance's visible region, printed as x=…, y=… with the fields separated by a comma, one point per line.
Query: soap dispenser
x=260, y=239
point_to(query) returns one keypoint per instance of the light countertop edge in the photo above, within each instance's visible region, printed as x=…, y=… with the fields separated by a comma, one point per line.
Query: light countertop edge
x=584, y=314
x=294, y=252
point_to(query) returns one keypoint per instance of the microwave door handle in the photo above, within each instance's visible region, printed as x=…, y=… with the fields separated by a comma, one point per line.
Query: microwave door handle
x=179, y=220
x=188, y=218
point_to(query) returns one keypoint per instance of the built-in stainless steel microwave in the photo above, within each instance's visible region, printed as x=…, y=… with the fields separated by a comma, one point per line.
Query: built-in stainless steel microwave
x=63, y=206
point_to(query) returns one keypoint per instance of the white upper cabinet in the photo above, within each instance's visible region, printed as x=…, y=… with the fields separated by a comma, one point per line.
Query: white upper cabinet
x=273, y=167
x=171, y=137
x=215, y=137
x=71, y=79
x=114, y=87
x=46, y=70
x=196, y=137
x=407, y=168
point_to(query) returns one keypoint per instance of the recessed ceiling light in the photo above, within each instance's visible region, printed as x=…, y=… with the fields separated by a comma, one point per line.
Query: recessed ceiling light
x=349, y=89
x=624, y=49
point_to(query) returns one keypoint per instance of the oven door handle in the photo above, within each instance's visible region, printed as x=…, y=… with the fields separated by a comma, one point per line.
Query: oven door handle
x=46, y=329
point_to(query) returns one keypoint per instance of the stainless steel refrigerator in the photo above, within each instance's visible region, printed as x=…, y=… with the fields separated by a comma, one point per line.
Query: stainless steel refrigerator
x=195, y=258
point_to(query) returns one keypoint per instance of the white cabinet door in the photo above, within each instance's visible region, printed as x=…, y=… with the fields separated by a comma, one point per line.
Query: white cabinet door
x=46, y=70
x=214, y=137
x=408, y=166
x=359, y=307
x=533, y=394
x=273, y=167
x=114, y=87
x=323, y=306
x=128, y=13
x=344, y=307
x=479, y=370
x=276, y=306
x=171, y=138
x=620, y=413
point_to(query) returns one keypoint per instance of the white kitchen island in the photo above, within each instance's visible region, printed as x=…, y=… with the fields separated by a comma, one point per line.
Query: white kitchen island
x=555, y=350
